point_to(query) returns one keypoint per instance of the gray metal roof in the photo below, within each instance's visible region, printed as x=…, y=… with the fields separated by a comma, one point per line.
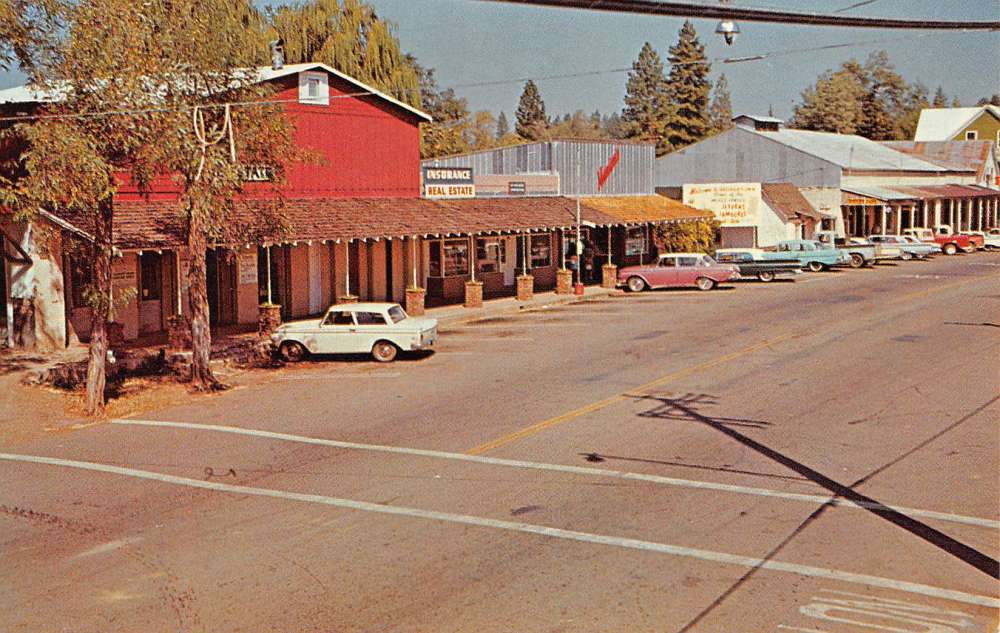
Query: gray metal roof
x=879, y=193
x=848, y=151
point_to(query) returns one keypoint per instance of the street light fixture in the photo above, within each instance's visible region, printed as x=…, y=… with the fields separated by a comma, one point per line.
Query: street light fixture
x=728, y=29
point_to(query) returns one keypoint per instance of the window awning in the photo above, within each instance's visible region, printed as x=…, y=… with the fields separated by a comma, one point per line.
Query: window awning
x=654, y=209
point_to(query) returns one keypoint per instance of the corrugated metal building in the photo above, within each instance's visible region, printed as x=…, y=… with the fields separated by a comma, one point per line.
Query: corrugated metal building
x=575, y=161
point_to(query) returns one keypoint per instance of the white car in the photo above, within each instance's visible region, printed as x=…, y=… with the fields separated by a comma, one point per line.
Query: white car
x=380, y=329
x=991, y=238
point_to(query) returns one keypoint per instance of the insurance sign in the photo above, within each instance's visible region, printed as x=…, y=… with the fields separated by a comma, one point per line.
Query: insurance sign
x=448, y=182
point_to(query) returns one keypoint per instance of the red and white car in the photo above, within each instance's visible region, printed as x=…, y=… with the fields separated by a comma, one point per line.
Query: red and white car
x=676, y=270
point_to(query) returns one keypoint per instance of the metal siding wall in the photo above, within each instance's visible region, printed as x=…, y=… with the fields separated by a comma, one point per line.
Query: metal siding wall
x=742, y=156
x=633, y=176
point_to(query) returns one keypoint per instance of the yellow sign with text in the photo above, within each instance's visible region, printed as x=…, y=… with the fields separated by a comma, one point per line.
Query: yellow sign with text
x=734, y=204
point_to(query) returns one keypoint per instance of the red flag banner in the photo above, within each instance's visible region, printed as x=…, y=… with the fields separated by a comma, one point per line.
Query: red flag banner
x=605, y=172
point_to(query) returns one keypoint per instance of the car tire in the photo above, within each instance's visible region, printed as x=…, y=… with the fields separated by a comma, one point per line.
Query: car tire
x=293, y=351
x=766, y=276
x=950, y=249
x=906, y=256
x=815, y=267
x=635, y=284
x=704, y=283
x=857, y=260
x=384, y=351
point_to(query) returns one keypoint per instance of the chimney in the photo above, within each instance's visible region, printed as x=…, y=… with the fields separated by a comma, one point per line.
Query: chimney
x=278, y=54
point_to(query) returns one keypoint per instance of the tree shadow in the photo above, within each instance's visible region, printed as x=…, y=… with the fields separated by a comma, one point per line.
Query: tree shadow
x=685, y=408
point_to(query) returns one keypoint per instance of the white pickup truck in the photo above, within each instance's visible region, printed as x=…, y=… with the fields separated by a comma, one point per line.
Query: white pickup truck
x=860, y=251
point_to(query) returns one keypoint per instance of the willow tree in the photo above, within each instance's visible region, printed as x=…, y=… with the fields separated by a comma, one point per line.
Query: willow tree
x=350, y=37
x=130, y=83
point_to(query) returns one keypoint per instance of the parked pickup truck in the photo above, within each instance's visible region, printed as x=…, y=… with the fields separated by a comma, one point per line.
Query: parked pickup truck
x=978, y=243
x=860, y=252
x=908, y=250
x=811, y=254
x=949, y=242
x=754, y=262
x=991, y=238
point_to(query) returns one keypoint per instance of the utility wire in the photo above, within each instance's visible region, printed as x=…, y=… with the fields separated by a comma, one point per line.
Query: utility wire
x=466, y=86
x=726, y=12
x=856, y=5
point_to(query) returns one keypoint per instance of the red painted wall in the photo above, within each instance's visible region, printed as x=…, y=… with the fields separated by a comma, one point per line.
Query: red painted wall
x=369, y=148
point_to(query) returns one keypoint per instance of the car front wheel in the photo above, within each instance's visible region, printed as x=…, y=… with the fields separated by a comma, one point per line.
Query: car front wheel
x=857, y=261
x=704, y=283
x=293, y=351
x=384, y=352
x=636, y=284
x=766, y=276
x=815, y=267
x=906, y=256
x=950, y=249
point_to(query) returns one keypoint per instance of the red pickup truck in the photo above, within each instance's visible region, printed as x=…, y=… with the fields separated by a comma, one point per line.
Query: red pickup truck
x=950, y=243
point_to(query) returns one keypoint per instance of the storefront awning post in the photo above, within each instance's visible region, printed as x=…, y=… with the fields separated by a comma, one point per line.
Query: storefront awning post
x=473, y=259
x=609, y=245
x=885, y=212
x=177, y=274
x=267, y=257
x=413, y=259
x=347, y=267
x=524, y=255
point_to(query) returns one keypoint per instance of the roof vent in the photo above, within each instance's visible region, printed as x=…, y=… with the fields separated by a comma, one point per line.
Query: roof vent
x=278, y=54
x=758, y=123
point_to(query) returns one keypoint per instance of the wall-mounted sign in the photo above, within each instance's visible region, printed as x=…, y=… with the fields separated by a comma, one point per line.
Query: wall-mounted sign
x=448, y=182
x=517, y=188
x=247, y=264
x=733, y=204
x=257, y=173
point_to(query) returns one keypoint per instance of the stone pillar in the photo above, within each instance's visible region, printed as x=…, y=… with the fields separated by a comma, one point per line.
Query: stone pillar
x=415, y=301
x=473, y=294
x=609, y=276
x=179, y=331
x=525, y=287
x=268, y=319
x=564, y=281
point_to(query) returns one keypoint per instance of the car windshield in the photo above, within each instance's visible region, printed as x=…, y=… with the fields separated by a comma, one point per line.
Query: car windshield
x=396, y=314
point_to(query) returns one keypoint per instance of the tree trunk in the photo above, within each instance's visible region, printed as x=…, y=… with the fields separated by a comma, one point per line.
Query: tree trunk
x=202, y=378
x=96, y=366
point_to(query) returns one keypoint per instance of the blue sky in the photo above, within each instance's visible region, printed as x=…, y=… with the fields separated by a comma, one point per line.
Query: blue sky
x=470, y=41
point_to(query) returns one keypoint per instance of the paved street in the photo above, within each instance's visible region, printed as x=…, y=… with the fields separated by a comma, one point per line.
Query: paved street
x=816, y=456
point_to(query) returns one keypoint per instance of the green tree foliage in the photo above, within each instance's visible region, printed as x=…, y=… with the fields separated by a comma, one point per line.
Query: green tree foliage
x=577, y=125
x=503, y=126
x=993, y=100
x=687, y=237
x=648, y=110
x=531, y=118
x=832, y=105
x=348, y=35
x=689, y=88
x=720, y=113
x=940, y=98
x=165, y=58
x=917, y=99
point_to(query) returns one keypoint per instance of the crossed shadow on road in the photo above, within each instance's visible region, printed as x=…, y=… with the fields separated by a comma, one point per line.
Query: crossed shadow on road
x=685, y=408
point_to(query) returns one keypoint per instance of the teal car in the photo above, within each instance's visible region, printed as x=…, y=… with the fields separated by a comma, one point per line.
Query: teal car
x=813, y=255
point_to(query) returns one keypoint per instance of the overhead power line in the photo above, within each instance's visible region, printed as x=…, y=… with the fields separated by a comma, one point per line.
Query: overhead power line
x=726, y=12
x=856, y=5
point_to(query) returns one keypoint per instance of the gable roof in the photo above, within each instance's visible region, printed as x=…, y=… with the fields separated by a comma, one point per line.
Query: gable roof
x=971, y=156
x=847, y=151
x=32, y=94
x=942, y=124
x=787, y=201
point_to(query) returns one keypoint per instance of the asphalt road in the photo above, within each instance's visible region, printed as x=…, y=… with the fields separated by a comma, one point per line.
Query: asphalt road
x=816, y=456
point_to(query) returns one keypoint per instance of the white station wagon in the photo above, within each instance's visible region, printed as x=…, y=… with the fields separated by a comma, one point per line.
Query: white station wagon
x=379, y=329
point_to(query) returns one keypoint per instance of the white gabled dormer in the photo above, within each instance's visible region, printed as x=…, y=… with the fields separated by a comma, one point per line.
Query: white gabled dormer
x=314, y=88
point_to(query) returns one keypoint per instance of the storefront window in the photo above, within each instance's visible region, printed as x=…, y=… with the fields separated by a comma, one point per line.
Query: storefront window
x=151, y=281
x=491, y=255
x=635, y=241
x=541, y=251
x=449, y=258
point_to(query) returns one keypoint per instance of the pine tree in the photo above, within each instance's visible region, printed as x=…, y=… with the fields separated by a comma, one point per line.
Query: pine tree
x=832, y=105
x=531, y=119
x=720, y=113
x=503, y=126
x=647, y=110
x=956, y=103
x=940, y=98
x=689, y=88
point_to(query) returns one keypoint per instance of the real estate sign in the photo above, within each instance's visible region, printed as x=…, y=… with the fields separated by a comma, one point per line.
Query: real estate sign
x=448, y=182
x=734, y=204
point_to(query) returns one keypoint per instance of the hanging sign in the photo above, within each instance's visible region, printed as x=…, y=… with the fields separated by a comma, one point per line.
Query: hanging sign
x=448, y=182
x=247, y=262
x=733, y=204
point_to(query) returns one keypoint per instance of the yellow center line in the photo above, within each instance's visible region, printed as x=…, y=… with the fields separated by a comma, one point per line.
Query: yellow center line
x=625, y=395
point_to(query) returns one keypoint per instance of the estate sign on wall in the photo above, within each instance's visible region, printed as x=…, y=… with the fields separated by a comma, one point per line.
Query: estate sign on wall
x=734, y=204
x=448, y=182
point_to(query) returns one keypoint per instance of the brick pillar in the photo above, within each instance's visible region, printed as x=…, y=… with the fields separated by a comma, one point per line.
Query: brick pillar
x=268, y=319
x=415, y=301
x=473, y=294
x=179, y=331
x=348, y=299
x=609, y=276
x=525, y=287
x=564, y=281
